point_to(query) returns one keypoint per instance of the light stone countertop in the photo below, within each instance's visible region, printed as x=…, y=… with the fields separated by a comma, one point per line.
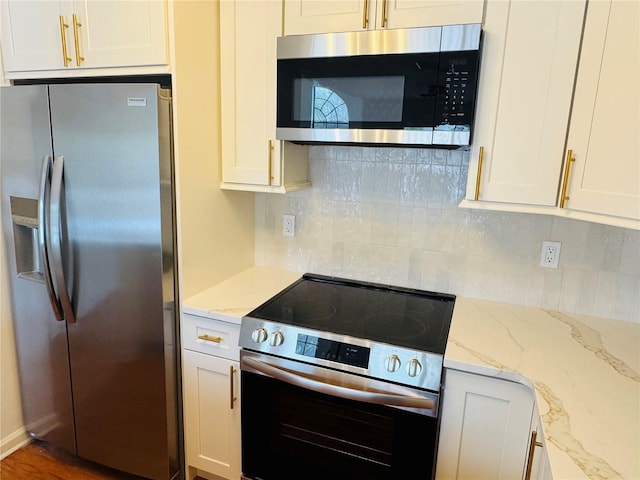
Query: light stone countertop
x=233, y=298
x=585, y=371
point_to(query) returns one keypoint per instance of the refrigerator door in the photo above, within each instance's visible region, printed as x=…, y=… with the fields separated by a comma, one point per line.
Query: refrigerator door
x=121, y=338
x=41, y=340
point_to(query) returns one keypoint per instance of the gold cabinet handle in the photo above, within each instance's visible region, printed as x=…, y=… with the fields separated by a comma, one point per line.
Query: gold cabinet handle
x=365, y=15
x=269, y=159
x=532, y=446
x=385, y=4
x=479, y=174
x=209, y=338
x=76, y=24
x=565, y=180
x=232, y=397
x=63, y=36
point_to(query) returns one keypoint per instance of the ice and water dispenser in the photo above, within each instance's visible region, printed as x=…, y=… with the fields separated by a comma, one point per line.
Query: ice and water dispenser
x=24, y=218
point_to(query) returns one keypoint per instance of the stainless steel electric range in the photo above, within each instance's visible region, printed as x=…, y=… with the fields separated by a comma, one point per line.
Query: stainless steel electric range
x=338, y=377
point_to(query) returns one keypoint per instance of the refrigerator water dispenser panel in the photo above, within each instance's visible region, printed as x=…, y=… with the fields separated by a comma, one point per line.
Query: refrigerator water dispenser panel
x=24, y=217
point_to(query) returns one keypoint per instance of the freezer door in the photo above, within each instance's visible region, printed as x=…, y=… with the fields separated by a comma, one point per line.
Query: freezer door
x=121, y=342
x=41, y=340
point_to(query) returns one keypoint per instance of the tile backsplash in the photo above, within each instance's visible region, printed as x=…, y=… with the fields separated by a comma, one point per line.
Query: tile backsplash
x=391, y=215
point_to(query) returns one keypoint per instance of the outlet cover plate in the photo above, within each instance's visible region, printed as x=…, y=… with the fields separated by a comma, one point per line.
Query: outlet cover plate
x=289, y=225
x=550, y=254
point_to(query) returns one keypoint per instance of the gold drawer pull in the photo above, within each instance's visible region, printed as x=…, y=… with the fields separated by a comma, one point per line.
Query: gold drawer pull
x=479, y=174
x=209, y=338
x=63, y=34
x=565, y=183
x=76, y=24
x=232, y=397
x=384, y=13
x=532, y=446
x=365, y=14
x=269, y=160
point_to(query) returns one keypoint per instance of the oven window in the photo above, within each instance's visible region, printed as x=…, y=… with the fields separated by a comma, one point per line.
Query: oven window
x=291, y=433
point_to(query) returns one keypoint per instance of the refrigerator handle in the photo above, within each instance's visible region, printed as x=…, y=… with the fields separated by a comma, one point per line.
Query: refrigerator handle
x=43, y=236
x=55, y=239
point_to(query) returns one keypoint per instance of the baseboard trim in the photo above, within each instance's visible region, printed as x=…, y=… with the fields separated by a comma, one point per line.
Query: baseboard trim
x=13, y=442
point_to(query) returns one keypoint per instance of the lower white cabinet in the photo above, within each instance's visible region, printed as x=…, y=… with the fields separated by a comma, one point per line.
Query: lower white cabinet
x=485, y=428
x=211, y=391
x=538, y=467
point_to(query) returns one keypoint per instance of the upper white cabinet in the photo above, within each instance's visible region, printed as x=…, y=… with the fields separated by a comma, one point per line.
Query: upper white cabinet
x=484, y=428
x=604, y=177
x=553, y=135
x=322, y=16
x=45, y=35
x=529, y=58
x=252, y=159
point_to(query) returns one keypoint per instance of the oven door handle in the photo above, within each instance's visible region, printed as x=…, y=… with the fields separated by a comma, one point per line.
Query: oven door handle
x=338, y=391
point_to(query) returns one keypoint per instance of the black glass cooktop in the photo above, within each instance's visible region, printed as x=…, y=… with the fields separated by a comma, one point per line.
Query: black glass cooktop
x=393, y=315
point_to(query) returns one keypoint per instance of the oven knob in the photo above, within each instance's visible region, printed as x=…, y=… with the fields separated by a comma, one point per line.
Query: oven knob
x=277, y=339
x=392, y=363
x=414, y=367
x=259, y=335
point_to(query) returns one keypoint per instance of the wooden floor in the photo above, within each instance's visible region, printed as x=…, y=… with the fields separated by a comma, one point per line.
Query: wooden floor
x=39, y=461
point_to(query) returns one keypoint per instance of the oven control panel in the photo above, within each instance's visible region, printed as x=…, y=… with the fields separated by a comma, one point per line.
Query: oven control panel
x=373, y=359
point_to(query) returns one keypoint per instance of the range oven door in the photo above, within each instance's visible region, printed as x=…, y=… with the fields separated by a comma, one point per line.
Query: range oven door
x=296, y=429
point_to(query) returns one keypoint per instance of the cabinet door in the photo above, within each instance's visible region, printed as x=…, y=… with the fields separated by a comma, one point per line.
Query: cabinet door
x=248, y=32
x=529, y=58
x=538, y=467
x=120, y=34
x=95, y=34
x=605, y=121
x=212, y=414
x=32, y=34
x=322, y=16
x=484, y=429
x=412, y=13
x=252, y=159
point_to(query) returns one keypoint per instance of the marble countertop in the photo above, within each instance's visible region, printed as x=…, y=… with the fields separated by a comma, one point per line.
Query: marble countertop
x=235, y=297
x=585, y=371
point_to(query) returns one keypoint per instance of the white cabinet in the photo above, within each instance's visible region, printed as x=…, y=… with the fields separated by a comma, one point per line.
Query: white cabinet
x=211, y=392
x=605, y=120
x=484, y=429
x=540, y=145
x=252, y=159
x=529, y=58
x=46, y=35
x=321, y=16
x=537, y=467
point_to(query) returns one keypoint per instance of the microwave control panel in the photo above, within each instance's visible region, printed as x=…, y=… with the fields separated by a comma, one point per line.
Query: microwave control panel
x=458, y=85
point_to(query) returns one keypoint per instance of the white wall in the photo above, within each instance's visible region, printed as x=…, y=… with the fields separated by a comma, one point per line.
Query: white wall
x=215, y=226
x=390, y=215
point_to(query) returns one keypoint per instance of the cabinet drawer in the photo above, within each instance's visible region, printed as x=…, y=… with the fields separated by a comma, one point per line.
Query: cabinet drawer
x=213, y=337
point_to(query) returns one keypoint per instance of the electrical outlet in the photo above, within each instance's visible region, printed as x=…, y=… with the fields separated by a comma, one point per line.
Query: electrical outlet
x=289, y=225
x=550, y=254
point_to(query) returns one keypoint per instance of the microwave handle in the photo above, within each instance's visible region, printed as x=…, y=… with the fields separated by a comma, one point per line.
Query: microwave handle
x=338, y=391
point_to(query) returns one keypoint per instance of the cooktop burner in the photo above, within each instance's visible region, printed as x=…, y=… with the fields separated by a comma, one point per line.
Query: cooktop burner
x=380, y=313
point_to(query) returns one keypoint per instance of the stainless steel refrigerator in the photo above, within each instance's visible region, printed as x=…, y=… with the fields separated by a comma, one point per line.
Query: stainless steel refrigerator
x=88, y=221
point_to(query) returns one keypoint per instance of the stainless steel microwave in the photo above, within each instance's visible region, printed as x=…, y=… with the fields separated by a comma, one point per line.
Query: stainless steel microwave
x=414, y=87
